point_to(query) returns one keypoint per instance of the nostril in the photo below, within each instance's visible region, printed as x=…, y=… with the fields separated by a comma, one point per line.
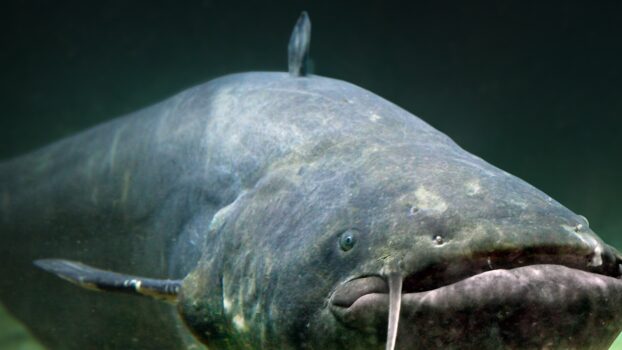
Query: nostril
x=412, y=211
x=438, y=239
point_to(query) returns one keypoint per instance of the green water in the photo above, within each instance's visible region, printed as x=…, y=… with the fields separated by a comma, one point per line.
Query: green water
x=13, y=336
x=533, y=88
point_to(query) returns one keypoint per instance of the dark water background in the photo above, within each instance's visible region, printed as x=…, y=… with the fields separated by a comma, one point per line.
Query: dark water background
x=532, y=87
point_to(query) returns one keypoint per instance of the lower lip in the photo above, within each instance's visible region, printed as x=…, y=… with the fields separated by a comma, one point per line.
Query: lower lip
x=529, y=306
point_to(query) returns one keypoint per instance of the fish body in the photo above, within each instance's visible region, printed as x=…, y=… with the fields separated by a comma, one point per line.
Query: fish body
x=293, y=211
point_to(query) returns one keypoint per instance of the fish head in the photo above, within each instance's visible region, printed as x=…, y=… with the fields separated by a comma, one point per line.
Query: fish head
x=485, y=260
x=386, y=221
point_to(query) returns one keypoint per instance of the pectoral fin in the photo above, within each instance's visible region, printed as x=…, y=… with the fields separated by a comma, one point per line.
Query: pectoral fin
x=107, y=281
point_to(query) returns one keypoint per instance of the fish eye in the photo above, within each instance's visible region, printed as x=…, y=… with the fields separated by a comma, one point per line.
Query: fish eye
x=347, y=240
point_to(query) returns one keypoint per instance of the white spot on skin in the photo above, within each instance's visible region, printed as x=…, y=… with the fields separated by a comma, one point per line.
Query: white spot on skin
x=226, y=303
x=374, y=117
x=473, y=187
x=519, y=204
x=239, y=323
x=597, y=258
x=428, y=200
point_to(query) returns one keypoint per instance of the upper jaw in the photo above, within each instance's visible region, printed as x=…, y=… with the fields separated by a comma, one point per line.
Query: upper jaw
x=453, y=269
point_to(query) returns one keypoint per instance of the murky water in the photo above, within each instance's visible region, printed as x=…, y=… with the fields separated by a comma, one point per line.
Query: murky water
x=534, y=91
x=14, y=336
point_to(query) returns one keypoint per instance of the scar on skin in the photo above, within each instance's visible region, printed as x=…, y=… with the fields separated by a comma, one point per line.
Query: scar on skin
x=239, y=322
x=473, y=187
x=429, y=200
x=126, y=186
x=113, y=149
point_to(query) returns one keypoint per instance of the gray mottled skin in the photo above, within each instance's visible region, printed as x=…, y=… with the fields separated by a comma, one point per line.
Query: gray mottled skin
x=244, y=184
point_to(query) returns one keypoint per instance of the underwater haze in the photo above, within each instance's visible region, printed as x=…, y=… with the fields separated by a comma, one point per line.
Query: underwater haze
x=533, y=88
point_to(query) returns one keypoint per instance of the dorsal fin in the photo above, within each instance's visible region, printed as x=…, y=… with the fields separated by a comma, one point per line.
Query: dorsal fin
x=298, y=48
x=101, y=280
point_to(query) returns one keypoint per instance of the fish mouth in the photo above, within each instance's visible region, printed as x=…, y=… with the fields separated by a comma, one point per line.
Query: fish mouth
x=527, y=299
